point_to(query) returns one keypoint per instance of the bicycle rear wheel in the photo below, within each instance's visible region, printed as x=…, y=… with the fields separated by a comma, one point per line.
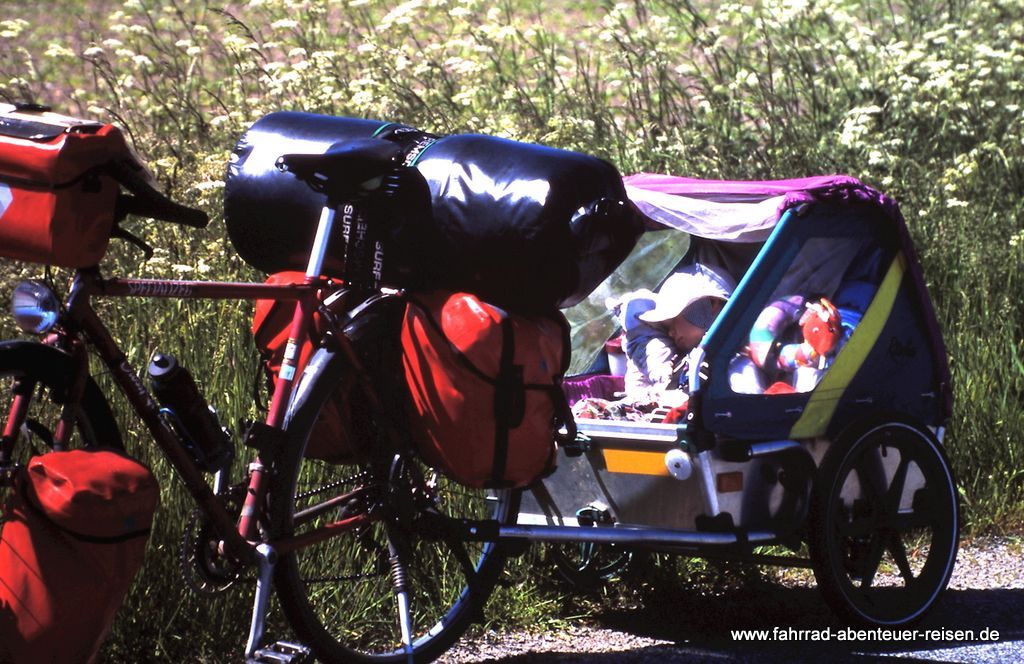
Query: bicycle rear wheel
x=339, y=595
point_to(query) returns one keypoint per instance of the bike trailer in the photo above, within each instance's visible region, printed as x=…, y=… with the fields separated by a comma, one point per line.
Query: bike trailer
x=817, y=401
x=72, y=541
x=57, y=196
x=784, y=242
x=523, y=226
x=485, y=397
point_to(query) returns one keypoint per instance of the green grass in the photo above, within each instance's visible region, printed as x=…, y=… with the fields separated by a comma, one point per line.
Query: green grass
x=919, y=98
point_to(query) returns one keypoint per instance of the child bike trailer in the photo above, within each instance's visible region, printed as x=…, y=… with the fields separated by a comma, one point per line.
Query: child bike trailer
x=817, y=398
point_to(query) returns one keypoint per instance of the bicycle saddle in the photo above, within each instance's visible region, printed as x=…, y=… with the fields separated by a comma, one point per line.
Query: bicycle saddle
x=343, y=165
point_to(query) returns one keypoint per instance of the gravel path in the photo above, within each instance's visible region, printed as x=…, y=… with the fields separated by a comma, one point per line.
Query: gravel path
x=985, y=593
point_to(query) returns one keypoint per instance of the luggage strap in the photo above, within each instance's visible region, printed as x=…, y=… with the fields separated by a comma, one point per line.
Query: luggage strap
x=509, y=400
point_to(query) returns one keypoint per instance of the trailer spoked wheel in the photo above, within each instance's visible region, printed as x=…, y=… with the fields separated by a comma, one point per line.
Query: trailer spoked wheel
x=884, y=524
x=588, y=566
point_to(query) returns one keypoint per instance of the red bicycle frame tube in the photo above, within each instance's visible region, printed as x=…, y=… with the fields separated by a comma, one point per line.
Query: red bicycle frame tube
x=18, y=412
x=88, y=283
x=255, y=497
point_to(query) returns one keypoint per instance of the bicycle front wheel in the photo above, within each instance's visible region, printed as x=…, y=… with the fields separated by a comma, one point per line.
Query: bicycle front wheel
x=37, y=378
x=339, y=595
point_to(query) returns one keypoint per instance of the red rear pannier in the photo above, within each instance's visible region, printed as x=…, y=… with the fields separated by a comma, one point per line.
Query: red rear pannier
x=485, y=388
x=332, y=438
x=57, y=201
x=271, y=323
x=73, y=539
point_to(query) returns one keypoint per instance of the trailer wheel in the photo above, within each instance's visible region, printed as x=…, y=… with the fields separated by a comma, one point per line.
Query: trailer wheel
x=588, y=566
x=884, y=524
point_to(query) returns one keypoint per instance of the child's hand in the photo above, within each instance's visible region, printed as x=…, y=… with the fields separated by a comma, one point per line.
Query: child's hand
x=661, y=376
x=673, y=398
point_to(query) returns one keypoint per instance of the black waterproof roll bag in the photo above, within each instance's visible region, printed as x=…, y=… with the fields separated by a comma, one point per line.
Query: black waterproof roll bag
x=523, y=225
x=271, y=216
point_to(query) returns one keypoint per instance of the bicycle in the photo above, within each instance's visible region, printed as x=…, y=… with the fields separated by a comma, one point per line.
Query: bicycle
x=287, y=516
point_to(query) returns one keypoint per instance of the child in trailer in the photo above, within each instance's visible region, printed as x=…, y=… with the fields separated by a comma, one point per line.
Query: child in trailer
x=663, y=327
x=660, y=329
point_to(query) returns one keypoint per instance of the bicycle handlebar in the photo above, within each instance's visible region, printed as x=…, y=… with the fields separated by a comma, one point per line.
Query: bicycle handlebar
x=146, y=201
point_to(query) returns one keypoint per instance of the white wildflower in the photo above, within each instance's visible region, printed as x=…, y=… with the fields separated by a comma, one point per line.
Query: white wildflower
x=56, y=50
x=10, y=29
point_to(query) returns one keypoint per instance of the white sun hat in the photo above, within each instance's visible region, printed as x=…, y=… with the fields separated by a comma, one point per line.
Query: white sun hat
x=688, y=289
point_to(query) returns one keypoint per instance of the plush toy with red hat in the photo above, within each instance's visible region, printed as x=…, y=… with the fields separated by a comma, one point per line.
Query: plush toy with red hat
x=821, y=325
x=821, y=329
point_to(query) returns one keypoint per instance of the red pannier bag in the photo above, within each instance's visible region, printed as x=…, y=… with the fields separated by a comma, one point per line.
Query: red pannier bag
x=271, y=323
x=331, y=439
x=485, y=388
x=57, y=197
x=72, y=541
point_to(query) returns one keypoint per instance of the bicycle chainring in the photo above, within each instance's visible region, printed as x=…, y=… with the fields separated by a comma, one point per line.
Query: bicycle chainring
x=203, y=566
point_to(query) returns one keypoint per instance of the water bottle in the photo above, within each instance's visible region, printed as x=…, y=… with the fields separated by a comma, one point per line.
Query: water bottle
x=195, y=421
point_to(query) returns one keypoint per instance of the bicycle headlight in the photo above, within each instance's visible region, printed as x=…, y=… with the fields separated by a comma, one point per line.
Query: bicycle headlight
x=35, y=307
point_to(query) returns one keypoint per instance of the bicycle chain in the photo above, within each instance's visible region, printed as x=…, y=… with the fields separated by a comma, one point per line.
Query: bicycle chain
x=197, y=571
x=354, y=479
x=364, y=477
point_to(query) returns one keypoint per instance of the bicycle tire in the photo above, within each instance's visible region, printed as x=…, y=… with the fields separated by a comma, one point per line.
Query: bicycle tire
x=590, y=567
x=883, y=543
x=50, y=371
x=337, y=595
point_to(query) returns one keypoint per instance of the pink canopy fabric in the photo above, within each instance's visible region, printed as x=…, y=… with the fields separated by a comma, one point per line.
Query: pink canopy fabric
x=738, y=211
x=732, y=189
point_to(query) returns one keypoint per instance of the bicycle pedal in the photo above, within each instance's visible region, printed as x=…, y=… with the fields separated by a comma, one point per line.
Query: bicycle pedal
x=282, y=652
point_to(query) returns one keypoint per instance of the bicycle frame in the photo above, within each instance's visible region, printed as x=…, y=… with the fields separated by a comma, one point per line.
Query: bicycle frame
x=82, y=324
x=82, y=321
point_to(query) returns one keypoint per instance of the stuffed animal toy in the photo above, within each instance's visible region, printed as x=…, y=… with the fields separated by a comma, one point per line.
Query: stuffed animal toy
x=821, y=329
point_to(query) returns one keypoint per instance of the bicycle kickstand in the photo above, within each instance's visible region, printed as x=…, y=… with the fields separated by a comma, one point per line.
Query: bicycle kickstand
x=280, y=652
